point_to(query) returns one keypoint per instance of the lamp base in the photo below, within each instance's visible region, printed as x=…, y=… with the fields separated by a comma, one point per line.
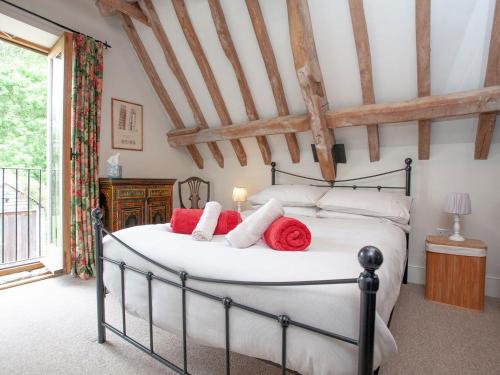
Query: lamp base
x=456, y=229
x=456, y=237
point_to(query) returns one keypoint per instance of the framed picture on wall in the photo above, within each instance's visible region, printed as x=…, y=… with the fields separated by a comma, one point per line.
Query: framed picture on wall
x=127, y=127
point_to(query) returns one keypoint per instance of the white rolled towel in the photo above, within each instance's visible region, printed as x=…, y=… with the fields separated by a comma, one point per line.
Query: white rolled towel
x=253, y=227
x=205, y=228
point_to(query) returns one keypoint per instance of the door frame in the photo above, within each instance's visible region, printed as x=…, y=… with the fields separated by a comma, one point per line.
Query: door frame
x=65, y=45
x=23, y=43
x=68, y=93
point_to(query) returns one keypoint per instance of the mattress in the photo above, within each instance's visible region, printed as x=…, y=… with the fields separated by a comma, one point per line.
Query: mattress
x=332, y=254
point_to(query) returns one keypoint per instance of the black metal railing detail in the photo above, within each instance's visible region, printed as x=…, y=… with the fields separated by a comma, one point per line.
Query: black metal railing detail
x=370, y=259
x=334, y=184
x=21, y=215
x=149, y=277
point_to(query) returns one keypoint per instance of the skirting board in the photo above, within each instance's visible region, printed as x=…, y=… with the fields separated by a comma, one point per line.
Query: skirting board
x=416, y=275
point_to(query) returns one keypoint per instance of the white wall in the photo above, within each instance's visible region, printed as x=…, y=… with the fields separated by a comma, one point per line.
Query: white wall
x=459, y=41
x=124, y=78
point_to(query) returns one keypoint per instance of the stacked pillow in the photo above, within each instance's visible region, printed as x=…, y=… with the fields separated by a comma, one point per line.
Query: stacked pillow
x=386, y=205
x=295, y=199
x=316, y=201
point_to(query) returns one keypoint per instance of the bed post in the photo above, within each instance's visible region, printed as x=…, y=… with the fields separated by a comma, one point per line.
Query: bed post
x=408, y=162
x=97, y=217
x=273, y=173
x=370, y=259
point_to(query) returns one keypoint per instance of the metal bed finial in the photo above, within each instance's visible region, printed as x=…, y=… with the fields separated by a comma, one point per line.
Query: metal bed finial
x=370, y=258
x=273, y=173
x=408, y=162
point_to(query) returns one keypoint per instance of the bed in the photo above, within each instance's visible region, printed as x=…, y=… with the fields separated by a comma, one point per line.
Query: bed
x=308, y=311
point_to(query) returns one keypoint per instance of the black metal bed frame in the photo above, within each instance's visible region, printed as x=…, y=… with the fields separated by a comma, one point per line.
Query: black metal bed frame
x=369, y=257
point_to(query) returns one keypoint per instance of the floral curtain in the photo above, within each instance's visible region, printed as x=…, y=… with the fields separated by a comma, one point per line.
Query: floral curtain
x=86, y=119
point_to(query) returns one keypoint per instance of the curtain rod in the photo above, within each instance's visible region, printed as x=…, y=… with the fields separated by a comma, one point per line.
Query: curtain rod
x=106, y=45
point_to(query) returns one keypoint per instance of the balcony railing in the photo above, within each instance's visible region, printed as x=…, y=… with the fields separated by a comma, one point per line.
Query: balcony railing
x=22, y=215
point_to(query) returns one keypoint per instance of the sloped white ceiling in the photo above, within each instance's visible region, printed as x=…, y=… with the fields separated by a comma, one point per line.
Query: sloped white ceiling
x=459, y=40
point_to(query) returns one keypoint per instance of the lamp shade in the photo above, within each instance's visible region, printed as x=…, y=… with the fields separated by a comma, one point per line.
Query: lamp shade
x=458, y=203
x=239, y=194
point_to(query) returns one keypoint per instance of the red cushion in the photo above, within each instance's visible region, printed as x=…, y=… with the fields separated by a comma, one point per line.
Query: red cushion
x=184, y=220
x=228, y=220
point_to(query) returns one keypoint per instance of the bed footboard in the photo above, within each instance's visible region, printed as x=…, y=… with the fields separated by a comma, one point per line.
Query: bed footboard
x=369, y=257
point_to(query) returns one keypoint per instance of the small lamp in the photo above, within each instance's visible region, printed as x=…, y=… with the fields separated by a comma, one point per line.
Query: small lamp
x=239, y=196
x=457, y=204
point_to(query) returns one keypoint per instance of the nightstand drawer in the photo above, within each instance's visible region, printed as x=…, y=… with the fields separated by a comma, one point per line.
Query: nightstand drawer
x=455, y=273
x=131, y=193
x=159, y=192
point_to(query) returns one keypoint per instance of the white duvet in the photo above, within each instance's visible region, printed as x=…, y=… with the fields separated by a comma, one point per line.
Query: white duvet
x=332, y=254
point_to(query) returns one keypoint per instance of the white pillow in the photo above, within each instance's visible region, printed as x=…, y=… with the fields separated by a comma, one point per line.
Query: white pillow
x=342, y=215
x=392, y=206
x=290, y=195
x=300, y=211
x=297, y=211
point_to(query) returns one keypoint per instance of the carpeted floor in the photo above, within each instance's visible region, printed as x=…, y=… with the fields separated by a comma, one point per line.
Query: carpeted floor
x=48, y=327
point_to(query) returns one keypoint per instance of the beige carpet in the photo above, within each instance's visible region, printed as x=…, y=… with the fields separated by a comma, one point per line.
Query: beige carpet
x=48, y=327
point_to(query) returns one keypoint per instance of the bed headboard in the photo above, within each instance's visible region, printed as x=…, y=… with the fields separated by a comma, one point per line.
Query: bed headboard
x=406, y=187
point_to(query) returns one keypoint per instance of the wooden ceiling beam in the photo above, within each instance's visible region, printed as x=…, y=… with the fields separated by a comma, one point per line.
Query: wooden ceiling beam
x=150, y=70
x=122, y=6
x=427, y=108
x=105, y=10
x=423, y=42
x=230, y=51
x=273, y=73
x=9, y=38
x=311, y=82
x=486, y=123
x=160, y=34
x=279, y=125
x=365, y=71
x=207, y=73
x=451, y=105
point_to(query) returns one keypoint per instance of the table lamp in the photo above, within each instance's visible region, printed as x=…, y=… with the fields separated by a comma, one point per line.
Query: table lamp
x=239, y=196
x=457, y=204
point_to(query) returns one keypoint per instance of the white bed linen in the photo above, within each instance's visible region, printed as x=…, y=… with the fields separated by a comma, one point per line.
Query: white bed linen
x=332, y=254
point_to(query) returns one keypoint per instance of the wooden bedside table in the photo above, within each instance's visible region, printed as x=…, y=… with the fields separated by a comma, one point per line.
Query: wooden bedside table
x=455, y=271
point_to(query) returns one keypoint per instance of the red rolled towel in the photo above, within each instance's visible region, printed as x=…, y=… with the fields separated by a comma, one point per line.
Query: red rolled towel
x=287, y=234
x=228, y=220
x=184, y=220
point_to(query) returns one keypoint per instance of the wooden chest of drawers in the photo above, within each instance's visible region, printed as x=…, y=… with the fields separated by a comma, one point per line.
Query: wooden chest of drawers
x=127, y=202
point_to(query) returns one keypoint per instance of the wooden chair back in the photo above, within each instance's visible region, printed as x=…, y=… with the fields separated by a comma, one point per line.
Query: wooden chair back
x=194, y=184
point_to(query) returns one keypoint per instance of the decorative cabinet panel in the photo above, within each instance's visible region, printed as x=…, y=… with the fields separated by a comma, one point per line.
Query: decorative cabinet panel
x=127, y=202
x=131, y=213
x=158, y=212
